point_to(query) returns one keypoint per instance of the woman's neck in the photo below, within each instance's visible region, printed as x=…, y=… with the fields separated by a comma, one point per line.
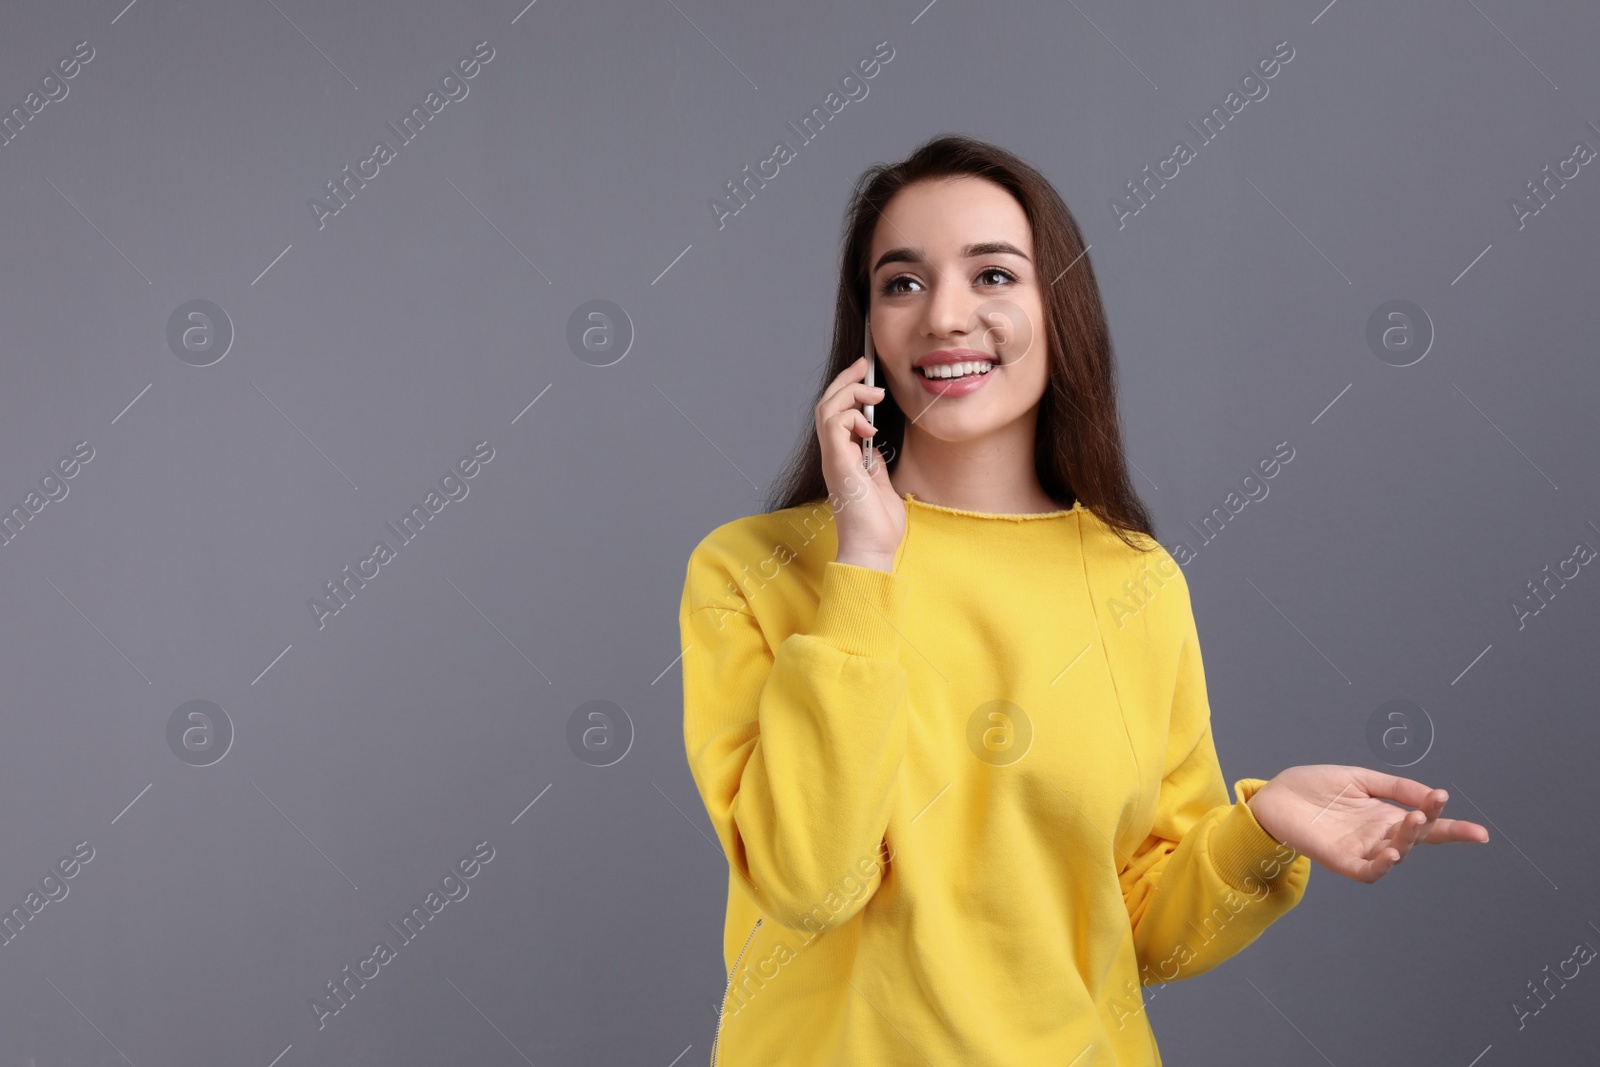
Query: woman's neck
x=993, y=474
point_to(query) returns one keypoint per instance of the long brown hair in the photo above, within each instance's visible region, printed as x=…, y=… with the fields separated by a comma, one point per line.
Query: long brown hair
x=1077, y=449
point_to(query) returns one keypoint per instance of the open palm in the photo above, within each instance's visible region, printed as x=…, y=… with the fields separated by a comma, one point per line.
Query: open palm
x=1341, y=817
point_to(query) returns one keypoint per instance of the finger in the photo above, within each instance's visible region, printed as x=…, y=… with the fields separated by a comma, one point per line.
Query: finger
x=847, y=388
x=1387, y=846
x=1432, y=806
x=1445, y=830
x=1409, y=831
x=854, y=369
x=849, y=395
x=856, y=373
x=838, y=428
x=854, y=421
x=1407, y=791
x=1367, y=855
x=1370, y=870
x=880, y=470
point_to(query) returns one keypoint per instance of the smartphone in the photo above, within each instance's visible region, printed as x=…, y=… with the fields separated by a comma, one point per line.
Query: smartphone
x=867, y=450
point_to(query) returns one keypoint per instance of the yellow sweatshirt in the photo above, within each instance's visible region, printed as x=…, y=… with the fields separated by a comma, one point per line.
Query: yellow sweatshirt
x=971, y=806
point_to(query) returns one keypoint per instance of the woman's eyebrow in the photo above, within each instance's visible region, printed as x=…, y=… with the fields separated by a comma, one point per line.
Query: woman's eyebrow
x=983, y=248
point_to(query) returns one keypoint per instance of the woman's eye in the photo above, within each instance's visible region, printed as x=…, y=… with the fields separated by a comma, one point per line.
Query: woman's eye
x=892, y=286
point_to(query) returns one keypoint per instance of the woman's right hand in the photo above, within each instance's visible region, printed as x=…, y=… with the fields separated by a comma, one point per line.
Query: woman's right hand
x=870, y=517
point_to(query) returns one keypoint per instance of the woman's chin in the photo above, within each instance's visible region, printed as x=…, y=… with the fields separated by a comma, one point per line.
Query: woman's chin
x=957, y=427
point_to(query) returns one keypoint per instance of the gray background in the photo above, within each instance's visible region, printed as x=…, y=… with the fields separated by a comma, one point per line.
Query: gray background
x=373, y=753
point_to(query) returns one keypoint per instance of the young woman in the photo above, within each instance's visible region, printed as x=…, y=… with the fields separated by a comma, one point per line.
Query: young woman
x=946, y=707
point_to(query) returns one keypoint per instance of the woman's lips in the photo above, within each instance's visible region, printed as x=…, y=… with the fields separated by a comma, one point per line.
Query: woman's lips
x=953, y=387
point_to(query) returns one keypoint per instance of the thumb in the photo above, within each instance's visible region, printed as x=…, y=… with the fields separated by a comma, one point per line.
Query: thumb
x=880, y=470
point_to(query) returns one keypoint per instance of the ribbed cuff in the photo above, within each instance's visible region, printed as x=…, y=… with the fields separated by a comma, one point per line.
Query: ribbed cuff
x=1245, y=855
x=860, y=610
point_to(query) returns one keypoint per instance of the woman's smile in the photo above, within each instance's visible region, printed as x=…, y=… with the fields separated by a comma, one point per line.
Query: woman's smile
x=953, y=372
x=955, y=380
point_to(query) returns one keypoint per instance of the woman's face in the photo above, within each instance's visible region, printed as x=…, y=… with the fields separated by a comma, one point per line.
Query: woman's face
x=952, y=272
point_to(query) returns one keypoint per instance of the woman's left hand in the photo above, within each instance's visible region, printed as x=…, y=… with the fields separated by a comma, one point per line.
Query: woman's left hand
x=1340, y=817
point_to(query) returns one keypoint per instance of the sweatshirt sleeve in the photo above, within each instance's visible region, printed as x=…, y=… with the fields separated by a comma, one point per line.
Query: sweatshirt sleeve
x=1208, y=879
x=796, y=750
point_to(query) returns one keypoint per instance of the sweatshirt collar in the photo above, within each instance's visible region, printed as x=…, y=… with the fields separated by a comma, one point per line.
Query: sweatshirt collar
x=912, y=501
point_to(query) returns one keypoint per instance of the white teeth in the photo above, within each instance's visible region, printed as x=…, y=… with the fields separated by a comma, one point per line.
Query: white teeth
x=955, y=370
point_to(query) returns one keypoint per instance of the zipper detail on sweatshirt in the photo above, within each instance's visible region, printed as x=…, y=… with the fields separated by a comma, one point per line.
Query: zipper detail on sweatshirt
x=726, y=989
